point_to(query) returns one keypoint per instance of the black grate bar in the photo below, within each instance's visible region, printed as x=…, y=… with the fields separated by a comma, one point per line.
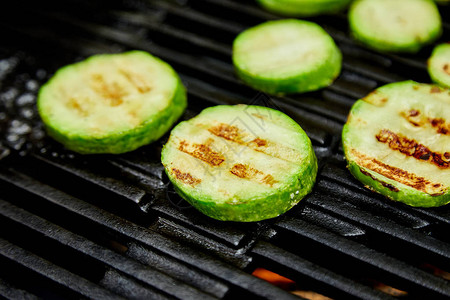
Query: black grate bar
x=9, y=291
x=142, y=273
x=408, y=274
x=389, y=227
x=149, y=238
x=328, y=282
x=70, y=281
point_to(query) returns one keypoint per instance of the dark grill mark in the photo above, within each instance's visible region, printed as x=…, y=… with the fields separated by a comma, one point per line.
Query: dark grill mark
x=417, y=119
x=185, y=177
x=446, y=68
x=410, y=147
x=259, y=142
x=110, y=92
x=227, y=132
x=202, y=152
x=435, y=89
x=385, y=184
x=247, y=172
x=399, y=175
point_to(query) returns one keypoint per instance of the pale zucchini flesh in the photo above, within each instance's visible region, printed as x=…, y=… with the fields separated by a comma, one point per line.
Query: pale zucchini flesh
x=439, y=65
x=111, y=103
x=303, y=8
x=240, y=163
x=397, y=143
x=395, y=25
x=286, y=56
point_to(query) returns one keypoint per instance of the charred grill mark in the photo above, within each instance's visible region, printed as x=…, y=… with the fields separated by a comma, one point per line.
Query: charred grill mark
x=202, y=152
x=137, y=81
x=244, y=171
x=259, y=142
x=233, y=134
x=446, y=68
x=435, y=89
x=410, y=147
x=399, y=175
x=247, y=172
x=375, y=98
x=185, y=177
x=385, y=184
x=417, y=119
x=111, y=92
x=227, y=132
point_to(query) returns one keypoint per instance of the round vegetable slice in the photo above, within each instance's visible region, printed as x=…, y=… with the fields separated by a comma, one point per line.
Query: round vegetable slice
x=303, y=8
x=395, y=26
x=439, y=65
x=397, y=143
x=240, y=163
x=111, y=103
x=286, y=56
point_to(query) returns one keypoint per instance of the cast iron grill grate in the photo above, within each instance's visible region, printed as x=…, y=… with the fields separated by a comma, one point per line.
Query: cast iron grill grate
x=112, y=227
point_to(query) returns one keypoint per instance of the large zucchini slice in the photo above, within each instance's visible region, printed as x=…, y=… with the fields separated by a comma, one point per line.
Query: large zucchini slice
x=303, y=8
x=395, y=25
x=111, y=103
x=397, y=142
x=240, y=163
x=286, y=56
x=439, y=65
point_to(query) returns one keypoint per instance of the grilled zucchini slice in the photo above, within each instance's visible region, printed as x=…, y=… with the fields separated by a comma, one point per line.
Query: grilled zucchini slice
x=240, y=163
x=439, y=65
x=397, y=143
x=303, y=8
x=286, y=56
x=111, y=103
x=395, y=26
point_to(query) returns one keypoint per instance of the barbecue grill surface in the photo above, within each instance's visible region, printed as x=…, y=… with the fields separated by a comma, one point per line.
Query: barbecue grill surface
x=111, y=226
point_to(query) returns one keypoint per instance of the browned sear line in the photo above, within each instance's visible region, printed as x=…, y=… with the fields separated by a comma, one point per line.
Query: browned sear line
x=410, y=147
x=247, y=172
x=417, y=119
x=227, y=132
x=399, y=175
x=186, y=177
x=446, y=68
x=111, y=92
x=259, y=142
x=435, y=89
x=137, y=81
x=385, y=184
x=202, y=152
x=244, y=171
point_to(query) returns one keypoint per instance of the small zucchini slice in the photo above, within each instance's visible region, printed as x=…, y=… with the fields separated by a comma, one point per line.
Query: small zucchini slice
x=397, y=143
x=395, y=25
x=240, y=163
x=439, y=65
x=303, y=8
x=286, y=56
x=111, y=103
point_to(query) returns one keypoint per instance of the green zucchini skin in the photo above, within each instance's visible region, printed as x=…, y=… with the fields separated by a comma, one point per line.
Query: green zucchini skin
x=439, y=65
x=118, y=141
x=393, y=26
x=370, y=176
x=303, y=8
x=249, y=201
x=321, y=71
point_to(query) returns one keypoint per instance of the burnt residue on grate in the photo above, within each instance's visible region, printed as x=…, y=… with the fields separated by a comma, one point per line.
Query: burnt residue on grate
x=111, y=226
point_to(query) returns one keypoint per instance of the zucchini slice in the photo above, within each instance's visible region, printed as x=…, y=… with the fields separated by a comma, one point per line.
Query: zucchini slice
x=286, y=56
x=397, y=143
x=395, y=25
x=240, y=163
x=439, y=65
x=303, y=8
x=111, y=103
